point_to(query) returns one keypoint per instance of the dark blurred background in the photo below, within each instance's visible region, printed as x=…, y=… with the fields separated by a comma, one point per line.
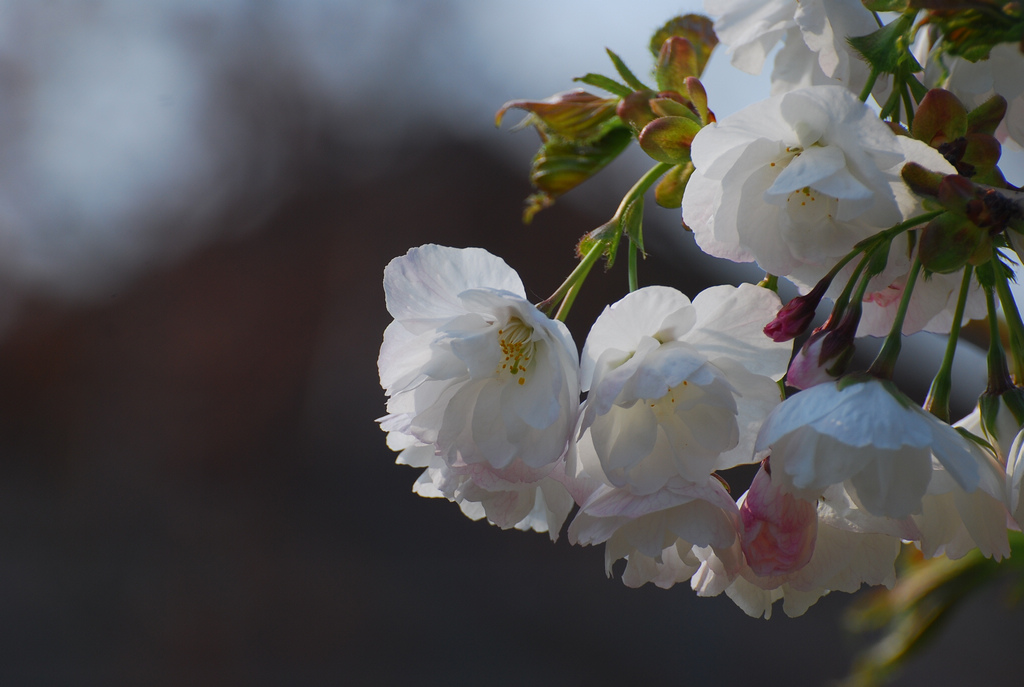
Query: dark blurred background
x=196, y=206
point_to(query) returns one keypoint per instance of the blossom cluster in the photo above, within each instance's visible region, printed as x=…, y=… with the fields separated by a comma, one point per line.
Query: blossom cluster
x=901, y=219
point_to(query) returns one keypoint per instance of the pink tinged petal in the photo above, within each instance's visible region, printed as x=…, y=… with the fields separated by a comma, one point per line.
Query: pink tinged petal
x=778, y=530
x=806, y=369
x=426, y=282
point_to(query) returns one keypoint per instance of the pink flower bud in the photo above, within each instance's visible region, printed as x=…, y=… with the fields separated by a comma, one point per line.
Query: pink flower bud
x=779, y=529
x=796, y=316
x=806, y=369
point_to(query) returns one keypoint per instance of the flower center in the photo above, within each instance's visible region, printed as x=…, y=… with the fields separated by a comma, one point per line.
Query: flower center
x=517, y=348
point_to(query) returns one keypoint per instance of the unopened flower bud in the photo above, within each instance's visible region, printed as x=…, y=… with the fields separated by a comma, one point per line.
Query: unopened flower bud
x=794, y=317
x=940, y=118
x=824, y=355
x=985, y=118
x=921, y=180
x=949, y=241
x=779, y=530
x=574, y=115
x=635, y=109
x=698, y=32
x=668, y=139
x=677, y=60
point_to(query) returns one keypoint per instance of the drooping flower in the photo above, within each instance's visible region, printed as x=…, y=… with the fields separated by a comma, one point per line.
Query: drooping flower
x=867, y=436
x=516, y=496
x=473, y=369
x=841, y=549
x=1015, y=479
x=655, y=532
x=677, y=388
x=794, y=182
x=816, y=51
x=778, y=529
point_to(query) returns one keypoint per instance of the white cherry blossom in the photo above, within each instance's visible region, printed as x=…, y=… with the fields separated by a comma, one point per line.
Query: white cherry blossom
x=868, y=437
x=471, y=367
x=677, y=388
x=795, y=181
x=841, y=549
x=516, y=496
x=816, y=51
x=655, y=532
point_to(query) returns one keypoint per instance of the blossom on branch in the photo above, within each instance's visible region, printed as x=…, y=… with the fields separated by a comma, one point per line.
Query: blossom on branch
x=868, y=437
x=471, y=367
x=677, y=388
x=795, y=181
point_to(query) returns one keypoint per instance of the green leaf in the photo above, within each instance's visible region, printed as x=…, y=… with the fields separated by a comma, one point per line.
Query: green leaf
x=887, y=5
x=886, y=50
x=624, y=72
x=605, y=84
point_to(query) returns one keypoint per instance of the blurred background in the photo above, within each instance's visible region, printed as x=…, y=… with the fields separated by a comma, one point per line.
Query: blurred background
x=197, y=201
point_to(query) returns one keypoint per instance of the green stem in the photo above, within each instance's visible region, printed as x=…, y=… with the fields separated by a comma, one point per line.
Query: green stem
x=1013, y=321
x=770, y=282
x=937, y=402
x=549, y=305
x=634, y=282
x=866, y=91
x=998, y=375
x=885, y=362
x=641, y=186
x=561, y=300
x=563, y=309
x=908, y=103
x=891, y=104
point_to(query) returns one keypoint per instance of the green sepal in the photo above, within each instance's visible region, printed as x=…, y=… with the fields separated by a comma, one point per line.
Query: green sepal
x=985, y=118
x=607, y=234
x=986, y=276
x=669, y=191
x=921, y=180
x=627, y=76
x=975, y=439
x=878, y=260
x=699, y=97
x=671, y=107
